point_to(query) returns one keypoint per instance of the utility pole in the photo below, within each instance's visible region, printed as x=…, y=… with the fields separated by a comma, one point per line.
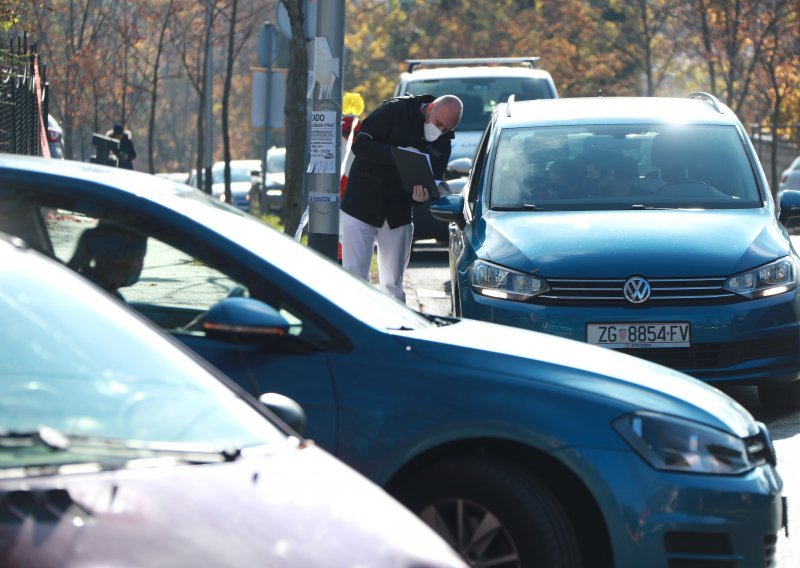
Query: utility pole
x=325, y=165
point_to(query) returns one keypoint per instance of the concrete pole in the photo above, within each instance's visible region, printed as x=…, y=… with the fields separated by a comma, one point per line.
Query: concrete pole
x=325, y=166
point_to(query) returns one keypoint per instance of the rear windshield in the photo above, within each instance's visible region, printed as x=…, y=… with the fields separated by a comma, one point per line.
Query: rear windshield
x=622, y=166
x=481, y=94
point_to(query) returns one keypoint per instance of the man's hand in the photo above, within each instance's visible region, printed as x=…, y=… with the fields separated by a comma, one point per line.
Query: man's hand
x=420, y=194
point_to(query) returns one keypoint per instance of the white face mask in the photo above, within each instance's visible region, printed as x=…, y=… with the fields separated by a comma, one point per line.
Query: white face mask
x=431, y=132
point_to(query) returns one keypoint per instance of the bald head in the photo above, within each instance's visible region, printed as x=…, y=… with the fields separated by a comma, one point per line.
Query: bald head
x=448, y=110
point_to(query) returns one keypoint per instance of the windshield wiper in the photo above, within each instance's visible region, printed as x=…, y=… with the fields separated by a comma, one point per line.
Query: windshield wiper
x=524, y=207
x=53, y=439
x=42, y=436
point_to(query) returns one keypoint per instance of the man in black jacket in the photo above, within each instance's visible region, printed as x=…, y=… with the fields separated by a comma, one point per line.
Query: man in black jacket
x=375, y=207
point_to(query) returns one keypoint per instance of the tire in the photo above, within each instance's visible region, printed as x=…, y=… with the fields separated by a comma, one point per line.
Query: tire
x=780, y=396
x=519, y=521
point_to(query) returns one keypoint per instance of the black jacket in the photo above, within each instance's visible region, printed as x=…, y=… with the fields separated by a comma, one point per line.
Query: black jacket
x=374, y=193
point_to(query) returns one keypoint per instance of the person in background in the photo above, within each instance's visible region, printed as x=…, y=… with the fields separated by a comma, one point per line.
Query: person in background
x=375, y=207
x=126, y=153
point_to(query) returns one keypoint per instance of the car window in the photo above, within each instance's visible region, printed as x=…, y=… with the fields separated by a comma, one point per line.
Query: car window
x=621, y=166
x=478, y=173
x=76, y=363
x=481, y=94
x=276, y=162
x=175, y=288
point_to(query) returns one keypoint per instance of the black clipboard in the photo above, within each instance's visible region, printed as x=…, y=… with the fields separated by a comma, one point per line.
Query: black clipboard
x=415, y=169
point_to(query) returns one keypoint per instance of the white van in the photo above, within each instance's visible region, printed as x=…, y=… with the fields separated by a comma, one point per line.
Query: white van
x=480, y=83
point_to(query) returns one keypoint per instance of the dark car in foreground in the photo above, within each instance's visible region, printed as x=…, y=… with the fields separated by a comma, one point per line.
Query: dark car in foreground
x=520, y=448
x=644, y=225
x=118, y=447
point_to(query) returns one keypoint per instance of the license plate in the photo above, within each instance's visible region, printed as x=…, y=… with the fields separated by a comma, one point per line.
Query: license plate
x=639, y=335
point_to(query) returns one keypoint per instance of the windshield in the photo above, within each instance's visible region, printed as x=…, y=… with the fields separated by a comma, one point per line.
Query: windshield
x=75, y=361
x=481, y=94
x=622, y=167
x=276, y=161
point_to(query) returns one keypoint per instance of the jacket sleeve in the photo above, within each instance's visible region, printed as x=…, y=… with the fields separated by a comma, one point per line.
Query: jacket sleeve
x=372, y=143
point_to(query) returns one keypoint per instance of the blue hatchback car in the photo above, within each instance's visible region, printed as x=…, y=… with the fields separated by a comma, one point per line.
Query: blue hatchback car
x=519, y=448
x=643, y=225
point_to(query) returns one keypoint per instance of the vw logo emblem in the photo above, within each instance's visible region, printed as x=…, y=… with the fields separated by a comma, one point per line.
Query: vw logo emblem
x=636, y=290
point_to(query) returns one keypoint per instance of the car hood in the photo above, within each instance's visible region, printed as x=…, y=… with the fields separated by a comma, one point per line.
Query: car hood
x=549, y=361
x=590, y=244
x=293, y=508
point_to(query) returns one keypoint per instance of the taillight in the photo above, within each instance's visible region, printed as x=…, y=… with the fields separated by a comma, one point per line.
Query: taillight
x=53, y=136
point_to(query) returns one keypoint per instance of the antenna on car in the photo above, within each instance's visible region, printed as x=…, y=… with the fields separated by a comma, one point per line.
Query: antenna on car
x=508, y=105
x=707, y=97
x=527, y=61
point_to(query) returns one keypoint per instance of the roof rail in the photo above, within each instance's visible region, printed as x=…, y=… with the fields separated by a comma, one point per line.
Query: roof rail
x=529, y=61
x=709, y=98
x=508, y=104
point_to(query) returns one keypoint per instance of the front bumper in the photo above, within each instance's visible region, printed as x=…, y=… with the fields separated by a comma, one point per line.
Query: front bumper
x=744, y=342
x=658, y=519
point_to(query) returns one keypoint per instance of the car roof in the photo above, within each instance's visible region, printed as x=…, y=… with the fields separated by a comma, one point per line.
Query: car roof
x=614, y=110
x=472, y=71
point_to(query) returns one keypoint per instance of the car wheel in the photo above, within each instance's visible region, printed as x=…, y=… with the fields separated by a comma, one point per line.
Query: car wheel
x=493, y=514
x=780, y=396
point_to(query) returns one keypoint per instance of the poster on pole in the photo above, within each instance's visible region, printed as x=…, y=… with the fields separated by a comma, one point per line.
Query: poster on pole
x=323, y=142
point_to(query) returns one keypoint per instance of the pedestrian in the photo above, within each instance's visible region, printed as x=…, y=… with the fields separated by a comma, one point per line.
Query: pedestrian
x=375, y=207
x=126, y=152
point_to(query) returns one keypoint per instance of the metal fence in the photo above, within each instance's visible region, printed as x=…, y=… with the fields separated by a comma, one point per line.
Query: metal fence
x=23, y=100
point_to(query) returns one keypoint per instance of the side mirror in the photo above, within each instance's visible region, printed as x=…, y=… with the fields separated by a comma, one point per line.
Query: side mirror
x=286, y=409
x=449, y=208
x=244, y=320
x=459, y=167
x=789, y=207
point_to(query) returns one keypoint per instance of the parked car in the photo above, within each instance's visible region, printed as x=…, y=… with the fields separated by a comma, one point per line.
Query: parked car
x=516, y=446
x=269, y=199
x=55, y=137
x=118, y=447
x=245, y=174
x=663, y=242
x=790, y=178
x=480, y=83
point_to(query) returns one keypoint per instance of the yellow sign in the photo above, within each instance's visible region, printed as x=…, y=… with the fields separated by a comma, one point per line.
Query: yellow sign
x=352, y=103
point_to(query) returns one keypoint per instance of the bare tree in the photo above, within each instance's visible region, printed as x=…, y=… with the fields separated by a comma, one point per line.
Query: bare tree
x=151, y=123
x=296, y=117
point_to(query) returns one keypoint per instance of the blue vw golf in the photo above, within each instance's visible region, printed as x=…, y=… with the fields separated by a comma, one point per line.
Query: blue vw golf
x=643, y=225
x=519, y=448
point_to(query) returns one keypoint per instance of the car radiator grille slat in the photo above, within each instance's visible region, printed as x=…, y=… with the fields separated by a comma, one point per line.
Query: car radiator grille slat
x=610, y=291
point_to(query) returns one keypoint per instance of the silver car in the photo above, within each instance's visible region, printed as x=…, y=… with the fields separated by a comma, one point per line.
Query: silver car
x=790, y=178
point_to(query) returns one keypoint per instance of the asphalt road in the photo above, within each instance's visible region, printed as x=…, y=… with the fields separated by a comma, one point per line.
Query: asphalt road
x=428, y=290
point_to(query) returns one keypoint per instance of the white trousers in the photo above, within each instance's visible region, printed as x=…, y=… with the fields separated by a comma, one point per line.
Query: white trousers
x=394, y=252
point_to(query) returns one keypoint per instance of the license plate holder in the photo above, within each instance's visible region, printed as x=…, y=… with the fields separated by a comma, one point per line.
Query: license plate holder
x=639, y=335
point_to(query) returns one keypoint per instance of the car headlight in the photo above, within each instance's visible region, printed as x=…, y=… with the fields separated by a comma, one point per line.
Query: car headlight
x=497, y=282
x=674, y=444
x=771, y=279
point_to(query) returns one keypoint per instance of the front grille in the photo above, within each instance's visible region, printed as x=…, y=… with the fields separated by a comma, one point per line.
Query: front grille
x=711, y=550
x=609, y=291
x=700, y=356
x=699, y=550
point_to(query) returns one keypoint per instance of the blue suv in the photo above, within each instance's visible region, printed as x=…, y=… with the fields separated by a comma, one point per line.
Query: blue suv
x=642, y=225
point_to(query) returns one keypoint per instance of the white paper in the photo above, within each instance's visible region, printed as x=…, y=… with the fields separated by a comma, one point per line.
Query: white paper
x=322, y=158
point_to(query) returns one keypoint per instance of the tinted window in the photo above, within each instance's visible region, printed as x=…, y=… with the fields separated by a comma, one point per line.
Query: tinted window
x=481, y=94
x=620, y=166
